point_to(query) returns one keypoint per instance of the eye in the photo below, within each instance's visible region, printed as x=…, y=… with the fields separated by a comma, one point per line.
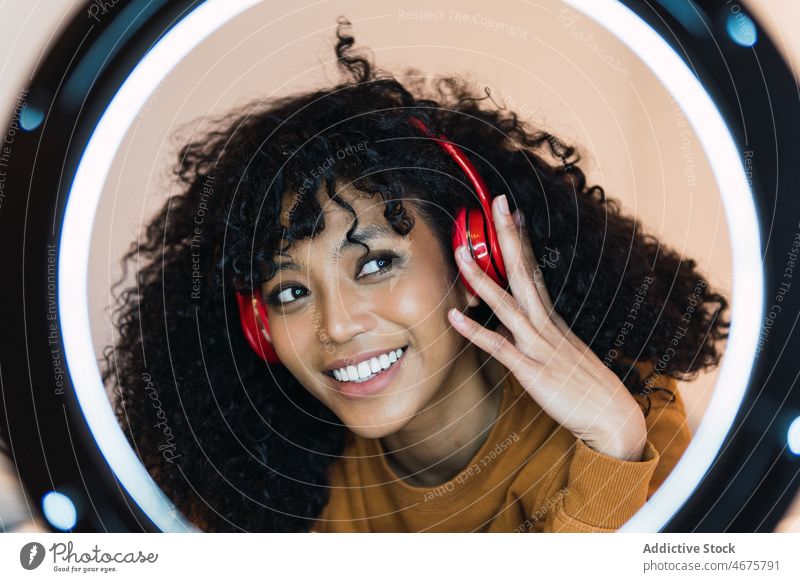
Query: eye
x=286, y=295
x=379, y=264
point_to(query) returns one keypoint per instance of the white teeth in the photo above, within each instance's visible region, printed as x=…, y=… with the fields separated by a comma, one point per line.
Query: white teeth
x=368, y=368
x=363, y=369
x=374, y=365
x=352, y=372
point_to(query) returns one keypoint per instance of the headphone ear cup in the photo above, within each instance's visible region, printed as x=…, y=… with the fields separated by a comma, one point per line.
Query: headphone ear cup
x=470, y=229
x=247, y=317
x=459, y=238
x=262, y=322
x=484, y=247
x=256, y=334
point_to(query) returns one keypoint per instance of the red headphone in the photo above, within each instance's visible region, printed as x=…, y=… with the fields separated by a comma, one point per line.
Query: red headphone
x=473, y=227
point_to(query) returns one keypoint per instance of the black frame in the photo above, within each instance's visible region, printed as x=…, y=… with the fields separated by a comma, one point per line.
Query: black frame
x=753, y=477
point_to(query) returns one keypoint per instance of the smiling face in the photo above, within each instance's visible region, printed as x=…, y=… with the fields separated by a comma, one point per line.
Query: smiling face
x=367, y=332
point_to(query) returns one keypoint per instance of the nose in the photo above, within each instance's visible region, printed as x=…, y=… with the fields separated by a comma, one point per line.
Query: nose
x=344, y=314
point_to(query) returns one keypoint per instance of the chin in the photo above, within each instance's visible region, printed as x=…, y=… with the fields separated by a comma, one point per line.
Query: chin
x=374, y=432
x=385, y=417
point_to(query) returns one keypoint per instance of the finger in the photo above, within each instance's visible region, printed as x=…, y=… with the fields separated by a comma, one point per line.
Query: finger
x=510, y=313
x=501, y=329
x=494, y=344
x=520, y=267
x=530, y=258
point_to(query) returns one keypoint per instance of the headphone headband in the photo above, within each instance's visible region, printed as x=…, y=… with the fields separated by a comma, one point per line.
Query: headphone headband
x=474, y=237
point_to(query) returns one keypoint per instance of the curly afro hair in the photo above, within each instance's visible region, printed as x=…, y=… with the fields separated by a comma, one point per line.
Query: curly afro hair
x=242, y=446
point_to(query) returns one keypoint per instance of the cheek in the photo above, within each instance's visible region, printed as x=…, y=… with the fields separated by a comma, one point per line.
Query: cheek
x=410, y=307
x=424, y=315
x=293, y=336
x=420, y=302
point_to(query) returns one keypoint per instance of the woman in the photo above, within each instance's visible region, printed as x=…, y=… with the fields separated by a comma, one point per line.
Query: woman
x=412, y=393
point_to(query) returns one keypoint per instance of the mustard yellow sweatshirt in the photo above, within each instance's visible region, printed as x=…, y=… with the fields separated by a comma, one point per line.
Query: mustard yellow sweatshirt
x=530, y=475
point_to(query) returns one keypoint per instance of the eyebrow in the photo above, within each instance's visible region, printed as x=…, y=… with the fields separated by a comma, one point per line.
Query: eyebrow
x=365, y=234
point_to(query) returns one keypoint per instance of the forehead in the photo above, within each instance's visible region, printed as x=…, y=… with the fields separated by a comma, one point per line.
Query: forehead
x=368, y=209
x=360, y=201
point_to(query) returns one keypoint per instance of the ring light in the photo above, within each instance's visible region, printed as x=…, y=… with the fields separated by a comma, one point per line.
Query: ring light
x=747, y=276
x=156, y=35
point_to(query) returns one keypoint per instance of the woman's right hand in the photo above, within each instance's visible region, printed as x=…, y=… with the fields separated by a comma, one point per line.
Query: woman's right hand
x=563, y=375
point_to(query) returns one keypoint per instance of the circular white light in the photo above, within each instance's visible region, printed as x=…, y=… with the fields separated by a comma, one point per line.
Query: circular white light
x=75, y=242
x=737, y=199
x=180, y=40
x=793, y=436
x=59, y=510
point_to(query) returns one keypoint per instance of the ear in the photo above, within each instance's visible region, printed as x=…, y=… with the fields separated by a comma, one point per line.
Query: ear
x=466, y=295
x=472, y=300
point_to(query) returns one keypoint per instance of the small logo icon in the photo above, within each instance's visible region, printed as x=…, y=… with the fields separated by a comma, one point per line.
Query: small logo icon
x=31, y=555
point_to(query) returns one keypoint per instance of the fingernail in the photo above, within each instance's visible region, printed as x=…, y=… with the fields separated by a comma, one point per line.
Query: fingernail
x=456, y=315
x=463, y=254
x=502, y=205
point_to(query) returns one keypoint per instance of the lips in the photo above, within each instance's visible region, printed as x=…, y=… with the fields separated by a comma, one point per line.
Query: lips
x=371, y=386
x=365, y=366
